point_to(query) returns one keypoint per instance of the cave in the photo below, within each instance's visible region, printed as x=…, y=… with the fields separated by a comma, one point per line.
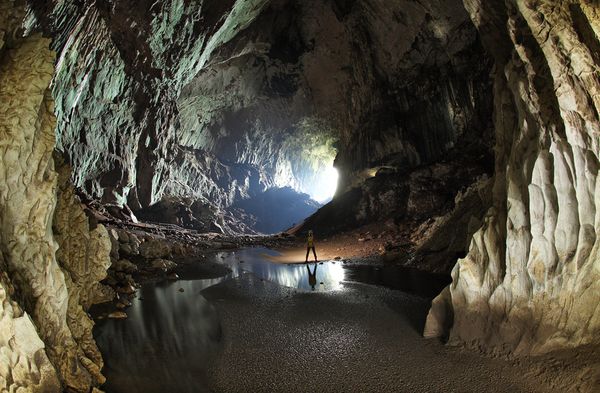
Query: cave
x=294, y=196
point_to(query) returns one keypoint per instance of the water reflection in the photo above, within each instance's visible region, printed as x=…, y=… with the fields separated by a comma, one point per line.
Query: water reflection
x=318, y=277
x=409, y=280
x=172, y=332
x=331, y=275
x=165, y=343
x=312, y=277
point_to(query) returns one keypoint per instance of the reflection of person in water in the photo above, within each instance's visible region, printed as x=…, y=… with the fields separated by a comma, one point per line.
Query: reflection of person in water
x=312, y=277
x=310, y=243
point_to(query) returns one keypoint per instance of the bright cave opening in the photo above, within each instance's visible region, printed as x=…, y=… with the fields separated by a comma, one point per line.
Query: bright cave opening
x=325, y=185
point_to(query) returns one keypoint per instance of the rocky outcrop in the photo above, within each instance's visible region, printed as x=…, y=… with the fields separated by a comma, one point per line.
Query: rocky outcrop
x=531, y=280
x=25, y=364
x=441, y=239
x=84, y=256
x=432, y=210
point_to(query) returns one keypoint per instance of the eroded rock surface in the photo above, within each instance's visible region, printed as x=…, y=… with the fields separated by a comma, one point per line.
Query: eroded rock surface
x=531, y=280
x=48, y=290
x=119, y=71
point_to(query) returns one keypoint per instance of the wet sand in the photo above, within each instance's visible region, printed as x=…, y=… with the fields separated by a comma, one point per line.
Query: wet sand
x=360, y=339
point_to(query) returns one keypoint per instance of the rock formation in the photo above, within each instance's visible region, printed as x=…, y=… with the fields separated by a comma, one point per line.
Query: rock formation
x=46, y=335
x=531, y=280
x=118, y=73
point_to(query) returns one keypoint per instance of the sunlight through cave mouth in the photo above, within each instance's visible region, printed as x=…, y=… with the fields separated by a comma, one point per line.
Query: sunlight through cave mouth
x=325, y=186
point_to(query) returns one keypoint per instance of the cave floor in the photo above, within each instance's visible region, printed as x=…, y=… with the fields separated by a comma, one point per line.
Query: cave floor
x=242, y=332
x=361, y=339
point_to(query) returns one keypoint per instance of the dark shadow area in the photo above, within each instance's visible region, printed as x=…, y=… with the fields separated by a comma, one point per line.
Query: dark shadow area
x=424, y=285
x=413, y=281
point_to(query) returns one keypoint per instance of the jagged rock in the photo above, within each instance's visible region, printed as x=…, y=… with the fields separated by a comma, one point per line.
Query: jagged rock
x=123, y=265
x=114, y=244
x=131, y=99
x=163, y=265
x=153, y=248
x=440, y=242
x=127, y=289
x=129, y=243
x=397, y=195
x=531, y=279
x=27, y=201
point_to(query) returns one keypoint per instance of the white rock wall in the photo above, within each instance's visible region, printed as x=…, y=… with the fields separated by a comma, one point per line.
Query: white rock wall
x=531, y=280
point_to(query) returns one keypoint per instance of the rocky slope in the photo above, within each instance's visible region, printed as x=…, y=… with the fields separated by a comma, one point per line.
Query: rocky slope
x=530, y=282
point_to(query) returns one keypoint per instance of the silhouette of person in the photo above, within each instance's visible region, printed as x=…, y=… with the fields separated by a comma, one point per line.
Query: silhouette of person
x=312, y=277
x=310, y=244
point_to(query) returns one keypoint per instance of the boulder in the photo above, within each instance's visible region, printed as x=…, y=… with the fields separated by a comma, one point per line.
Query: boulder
x=163, y=265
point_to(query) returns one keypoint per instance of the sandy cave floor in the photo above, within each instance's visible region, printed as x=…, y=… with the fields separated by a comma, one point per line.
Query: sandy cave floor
x=363, y=339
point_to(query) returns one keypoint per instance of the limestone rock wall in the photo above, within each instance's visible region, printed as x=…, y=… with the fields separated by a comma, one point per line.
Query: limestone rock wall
x=23, y=360
x=45, y=339
x=119, y=71
x=84, y=256
x=531, y=280
x=279, y=85
x=375, y=82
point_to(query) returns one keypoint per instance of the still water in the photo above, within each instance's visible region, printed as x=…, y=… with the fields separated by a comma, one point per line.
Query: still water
x=172, y=332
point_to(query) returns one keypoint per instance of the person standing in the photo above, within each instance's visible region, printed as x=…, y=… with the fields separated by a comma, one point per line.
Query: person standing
x=310, y=244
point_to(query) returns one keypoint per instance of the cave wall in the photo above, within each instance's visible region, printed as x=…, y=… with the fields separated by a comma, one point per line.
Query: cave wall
x=119, y=71
x=377, y=82
x=45, y=340
x=22, y=353
x=279, y=86
x=531, y=280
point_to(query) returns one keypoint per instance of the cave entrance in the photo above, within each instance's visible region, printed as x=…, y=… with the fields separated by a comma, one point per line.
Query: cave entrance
x=289, y=203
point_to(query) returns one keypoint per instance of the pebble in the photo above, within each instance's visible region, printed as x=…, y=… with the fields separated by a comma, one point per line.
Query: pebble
x=181, y=290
